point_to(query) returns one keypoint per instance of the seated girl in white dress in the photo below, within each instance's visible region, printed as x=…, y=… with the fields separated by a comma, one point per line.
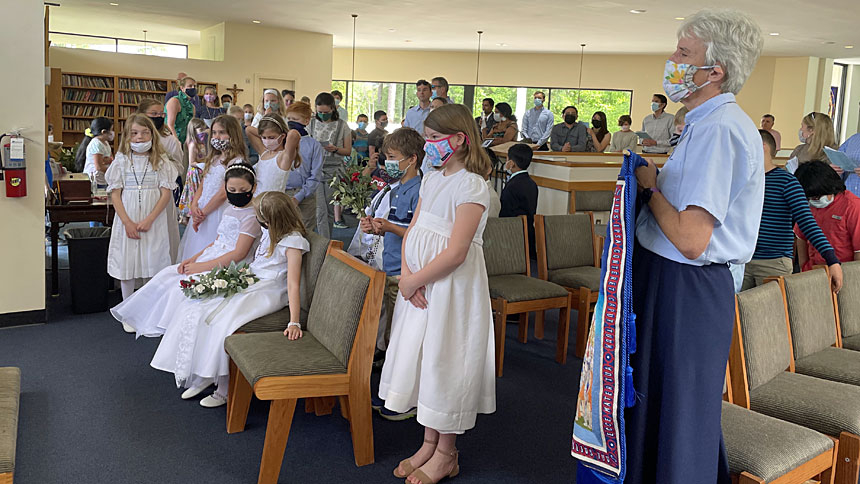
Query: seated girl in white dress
x=151, y=309
x=193, y=345
x=279, y=154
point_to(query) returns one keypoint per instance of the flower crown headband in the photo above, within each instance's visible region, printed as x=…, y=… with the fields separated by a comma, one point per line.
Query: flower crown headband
x=241, y=167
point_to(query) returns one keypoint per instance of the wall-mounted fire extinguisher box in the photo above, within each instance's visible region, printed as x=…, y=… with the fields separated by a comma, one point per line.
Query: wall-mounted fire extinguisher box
x=15, y=168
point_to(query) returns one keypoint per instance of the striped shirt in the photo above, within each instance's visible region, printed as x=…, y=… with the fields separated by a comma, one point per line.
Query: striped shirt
x=785, y=204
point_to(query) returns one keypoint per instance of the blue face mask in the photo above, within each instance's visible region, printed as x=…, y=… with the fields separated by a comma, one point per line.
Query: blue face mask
x=438, y=152
x=433, y=94
x=362, y=125
x=271, y=104
x=538, y=102
x=655, y=106
x=392, y=167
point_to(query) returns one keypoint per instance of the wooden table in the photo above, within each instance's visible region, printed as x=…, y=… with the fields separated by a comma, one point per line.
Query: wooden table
x=60, y=214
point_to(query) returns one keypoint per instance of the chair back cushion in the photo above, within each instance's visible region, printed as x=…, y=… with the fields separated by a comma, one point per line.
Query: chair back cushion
x=505, y=246
x=569, y=241
x=336, y=308
x=312, y=262
x=849, y=300
x=597, y=201
x=765, y=335
x=810, y=312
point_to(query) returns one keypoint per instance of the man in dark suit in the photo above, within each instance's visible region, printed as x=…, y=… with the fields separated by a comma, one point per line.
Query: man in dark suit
x=520, y=194
x=486, y=120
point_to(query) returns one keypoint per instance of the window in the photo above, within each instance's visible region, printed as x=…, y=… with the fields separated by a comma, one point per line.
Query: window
x=115, y=44
x=395, y=98
x=587, y=102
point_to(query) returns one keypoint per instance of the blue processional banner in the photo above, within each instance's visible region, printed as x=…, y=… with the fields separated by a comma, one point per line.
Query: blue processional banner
x=606, y=381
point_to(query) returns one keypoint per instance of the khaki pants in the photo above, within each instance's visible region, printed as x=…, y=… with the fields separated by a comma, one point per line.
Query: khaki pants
x=308, y=209
x=757, y=270
x=389, y=299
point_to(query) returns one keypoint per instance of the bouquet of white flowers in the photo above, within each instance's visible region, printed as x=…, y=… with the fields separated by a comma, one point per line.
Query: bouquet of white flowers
x=219, y=282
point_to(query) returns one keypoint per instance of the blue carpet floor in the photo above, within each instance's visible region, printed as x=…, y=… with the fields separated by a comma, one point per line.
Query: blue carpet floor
x=94, y=411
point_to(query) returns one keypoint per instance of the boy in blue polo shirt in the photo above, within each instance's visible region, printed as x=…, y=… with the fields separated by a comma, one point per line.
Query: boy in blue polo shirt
x=404, y=150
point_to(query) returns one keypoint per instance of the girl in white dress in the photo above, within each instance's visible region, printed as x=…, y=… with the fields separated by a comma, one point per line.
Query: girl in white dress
x=151, y=310
x=441, y=355
x=228, y=147
x=140, y=182
x=279, y=156
x=94, y=154
x=193, y=346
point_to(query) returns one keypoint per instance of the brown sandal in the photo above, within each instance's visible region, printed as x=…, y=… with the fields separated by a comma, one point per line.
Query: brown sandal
x=422, y=477
x=405, y=464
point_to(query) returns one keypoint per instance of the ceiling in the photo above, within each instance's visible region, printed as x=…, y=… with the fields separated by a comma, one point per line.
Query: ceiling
x=805, y=29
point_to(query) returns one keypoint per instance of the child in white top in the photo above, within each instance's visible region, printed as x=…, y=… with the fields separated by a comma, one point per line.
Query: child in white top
x=280, y=154
x=271, y=104
x=140, y=183
x=441, y=355
x=193, y=346
x=150, y=311
x=96, y=148
x=227, y=147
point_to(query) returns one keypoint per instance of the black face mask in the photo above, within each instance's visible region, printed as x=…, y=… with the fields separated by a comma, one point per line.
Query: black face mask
x=595, y=123
x=158, y=121
x=240, y=199
x=569, y=118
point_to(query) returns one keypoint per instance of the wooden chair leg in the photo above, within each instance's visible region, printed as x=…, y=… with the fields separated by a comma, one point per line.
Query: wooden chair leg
x=324, y=406
x=277, y=433
x=6, y=478
x=524, y=327
x=829, y=475
x=563, y=333
x=238, y=400
x=747, y=478
x=539, y=319
x=582, y=312
x=848, y=460
x=501, y=318
x=344, y=406
x=361, y=423
x=310, y=405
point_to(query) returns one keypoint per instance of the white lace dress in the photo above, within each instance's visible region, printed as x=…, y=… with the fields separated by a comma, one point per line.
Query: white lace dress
x=141, y=188
x=193, y=347
x=193, y=242
x=153, y=307
x=270, y=176
x=442, y=359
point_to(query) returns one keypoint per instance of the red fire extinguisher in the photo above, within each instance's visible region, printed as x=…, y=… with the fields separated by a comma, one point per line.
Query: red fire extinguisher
x=15, y=168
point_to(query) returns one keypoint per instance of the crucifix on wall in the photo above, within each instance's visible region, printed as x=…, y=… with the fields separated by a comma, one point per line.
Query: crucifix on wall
x=235, y=90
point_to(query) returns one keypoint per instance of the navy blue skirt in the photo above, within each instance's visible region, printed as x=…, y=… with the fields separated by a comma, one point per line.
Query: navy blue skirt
x=684, y=318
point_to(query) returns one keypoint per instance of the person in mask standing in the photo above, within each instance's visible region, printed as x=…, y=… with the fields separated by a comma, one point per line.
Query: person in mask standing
x=600, y=135
x=361, y=139
x=211, y=108
x=504, y=127
x=336, y=139
x=624, y=139
x=375, y=137
x=439, y=89
x=338, y=99
x=180, y=108
x=569, y=135
x=659, y=126
x=303, y=182
x=537, y=123
x=699, y=214
x=816, y=131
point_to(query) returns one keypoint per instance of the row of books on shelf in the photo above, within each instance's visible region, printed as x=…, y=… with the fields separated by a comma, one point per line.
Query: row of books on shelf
x=126, y=111
x=87, y=110
x=79, y=125
x=135, y=98
x=142, y=84
x=87, y=81
x=88, y=96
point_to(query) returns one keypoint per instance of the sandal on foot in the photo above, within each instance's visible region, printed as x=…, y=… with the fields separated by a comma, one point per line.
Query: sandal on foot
x=405, y=464
x=422, y=477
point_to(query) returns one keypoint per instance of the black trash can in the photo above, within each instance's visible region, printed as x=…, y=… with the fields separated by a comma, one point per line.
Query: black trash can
x=88, y=277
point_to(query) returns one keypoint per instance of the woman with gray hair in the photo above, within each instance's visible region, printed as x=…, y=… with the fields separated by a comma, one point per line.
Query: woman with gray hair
x=699, y=214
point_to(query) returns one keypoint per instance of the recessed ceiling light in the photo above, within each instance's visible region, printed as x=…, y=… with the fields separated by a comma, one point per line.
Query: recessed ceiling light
x=774, y=34
x=502, y=44
x=849, y=46
x=638, y=10
x=392, y=30
x=114, y=4
x=255, y=21
x=680, y=18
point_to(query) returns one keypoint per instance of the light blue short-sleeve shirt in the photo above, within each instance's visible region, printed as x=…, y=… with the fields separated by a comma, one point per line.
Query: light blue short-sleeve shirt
x=415, y=117
x=718, y=165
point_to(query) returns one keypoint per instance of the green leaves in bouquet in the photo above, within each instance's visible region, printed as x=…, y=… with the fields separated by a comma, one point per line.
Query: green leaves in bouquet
x=220, y=282
x=352, y=189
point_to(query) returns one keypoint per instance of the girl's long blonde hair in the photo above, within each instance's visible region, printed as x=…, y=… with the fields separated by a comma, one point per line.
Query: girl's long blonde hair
x=277, y=123
x=823, y=135
x=156, y=153
x=282, y=106
x=456, y=118
x=279, y=211
x=237, y=143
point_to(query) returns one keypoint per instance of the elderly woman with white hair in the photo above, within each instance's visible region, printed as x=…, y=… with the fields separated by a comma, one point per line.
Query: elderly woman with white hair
x=700, y=213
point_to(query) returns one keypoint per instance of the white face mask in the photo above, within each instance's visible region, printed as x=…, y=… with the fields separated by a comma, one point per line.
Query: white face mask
x=497, y=117
x=822, y=202
x=625, y=127
x=249, y=116
x=800, y=136
x=141, y=147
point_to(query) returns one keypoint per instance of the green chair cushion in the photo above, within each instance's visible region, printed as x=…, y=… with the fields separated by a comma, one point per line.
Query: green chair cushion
x=851, y=342
x=824, y=406
x=505, y=246
x=849, y=300
x=767, y=447
x=518, y=288
x=276, y=321
x=569, y=241
x=810, y=312
x=575, y=277
x=261, y=355
x=765, y=334
x=594, y=201
x=834, y=364
x=10, y=391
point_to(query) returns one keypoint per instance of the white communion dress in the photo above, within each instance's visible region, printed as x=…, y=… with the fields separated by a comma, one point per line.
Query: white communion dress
x=193, y=346
x=193, y=242
x=153, y=307
x=270, y=176
x=441, y=359
x=141, y=188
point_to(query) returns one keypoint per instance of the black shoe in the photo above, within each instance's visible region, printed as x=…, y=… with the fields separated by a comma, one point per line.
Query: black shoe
x=378, y=360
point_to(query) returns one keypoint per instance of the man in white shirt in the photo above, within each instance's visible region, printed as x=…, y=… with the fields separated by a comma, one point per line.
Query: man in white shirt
x=537, y=123
x=660, y=126
x=416, y=115
x=486, y=120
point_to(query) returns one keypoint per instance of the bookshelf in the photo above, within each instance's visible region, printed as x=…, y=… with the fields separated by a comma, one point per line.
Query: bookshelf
x=85, y=96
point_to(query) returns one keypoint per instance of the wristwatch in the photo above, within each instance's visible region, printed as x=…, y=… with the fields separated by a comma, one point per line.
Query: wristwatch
x=647, y=193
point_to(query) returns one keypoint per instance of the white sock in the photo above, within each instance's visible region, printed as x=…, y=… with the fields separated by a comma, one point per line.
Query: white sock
x=223, y=384
x=127, y=288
